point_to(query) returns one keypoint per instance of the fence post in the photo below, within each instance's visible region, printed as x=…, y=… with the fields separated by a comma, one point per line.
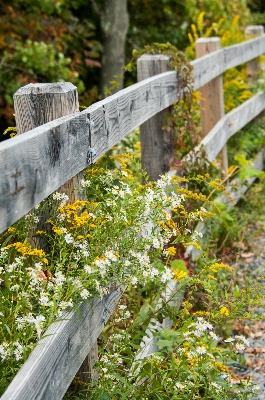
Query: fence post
x=253, y=67
x=36, y=104
x=212, y=99
x=157, y=144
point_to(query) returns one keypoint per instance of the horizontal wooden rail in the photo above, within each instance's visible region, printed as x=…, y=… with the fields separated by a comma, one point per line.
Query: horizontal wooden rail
x=53, y=363
x=229, y=125
x=35, y=164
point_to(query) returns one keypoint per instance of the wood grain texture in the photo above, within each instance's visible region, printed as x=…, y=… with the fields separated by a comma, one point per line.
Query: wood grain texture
x=207, y=67
x=35, y=164
x=36, y=104
x=157, y=143
x=211, y=94
x=230, y=124
x=253, y=67
x=212, y=65
x=57, y=357
x=243, y=52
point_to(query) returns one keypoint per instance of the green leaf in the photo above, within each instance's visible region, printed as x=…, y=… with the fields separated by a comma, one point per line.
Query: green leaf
x=221, y=206
x=237, y=292
x=251, y=172
x=241, y=158
x=179, y=265
x=164, y=343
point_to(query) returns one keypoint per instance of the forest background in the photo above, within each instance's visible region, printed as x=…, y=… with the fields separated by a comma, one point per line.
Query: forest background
x=87, y=42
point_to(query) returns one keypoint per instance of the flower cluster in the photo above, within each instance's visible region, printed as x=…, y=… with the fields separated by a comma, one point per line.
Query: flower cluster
x=116, y=237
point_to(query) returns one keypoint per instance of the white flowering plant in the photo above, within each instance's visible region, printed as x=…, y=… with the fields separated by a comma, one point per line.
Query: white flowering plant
x=192, y=359
x=123, y=234
x=113, y=238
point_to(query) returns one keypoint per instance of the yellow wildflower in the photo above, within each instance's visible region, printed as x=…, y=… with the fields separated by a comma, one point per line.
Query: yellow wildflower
x=224, y=311
x=178, y=275
x=171, y=251
x=11, y=230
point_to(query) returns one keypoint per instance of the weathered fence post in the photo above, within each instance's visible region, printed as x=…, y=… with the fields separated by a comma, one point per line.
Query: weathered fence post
x=36, y=104
x=253, y=67
x=212, y=99
x=157, y=144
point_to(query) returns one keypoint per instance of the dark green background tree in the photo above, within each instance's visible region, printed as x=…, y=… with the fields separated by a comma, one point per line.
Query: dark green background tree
x=87, y=41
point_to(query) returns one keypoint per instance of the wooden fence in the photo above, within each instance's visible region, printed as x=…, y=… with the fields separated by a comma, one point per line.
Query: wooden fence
x=36, y=163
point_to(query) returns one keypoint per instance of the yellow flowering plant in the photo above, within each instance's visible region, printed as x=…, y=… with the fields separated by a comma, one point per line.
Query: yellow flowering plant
x=117, y=236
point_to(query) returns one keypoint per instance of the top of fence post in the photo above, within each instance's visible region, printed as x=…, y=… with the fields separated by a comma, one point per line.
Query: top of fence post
x=38, y=103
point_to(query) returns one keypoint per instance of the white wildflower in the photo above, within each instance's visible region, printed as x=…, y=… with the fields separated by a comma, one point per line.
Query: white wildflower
x=201, y=350
x=179, y=385
x=85, y=294
x=88, y=269
x=85, y=183
x=167, y=275
x=229, y=340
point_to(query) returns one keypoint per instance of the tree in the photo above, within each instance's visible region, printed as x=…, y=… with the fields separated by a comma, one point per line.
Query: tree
x=114, y=23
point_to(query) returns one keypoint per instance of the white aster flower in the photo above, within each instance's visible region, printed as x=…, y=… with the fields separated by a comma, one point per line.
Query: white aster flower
x=201, y=350
x=57, y=196
x=59, y=278
x=156, y=243
x=216, y=386
x=88, y=269
x=243, y=339
x=229, y=340
x=69, y=238
x=214, y=336
x=85, y=183
x=134, y=281
x=85, y=294
x=44, y=300
x=179, y=385
x=167, y=275
x=240, y=347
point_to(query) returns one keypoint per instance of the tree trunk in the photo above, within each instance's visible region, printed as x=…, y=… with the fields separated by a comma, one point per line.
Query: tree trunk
x=114, y=27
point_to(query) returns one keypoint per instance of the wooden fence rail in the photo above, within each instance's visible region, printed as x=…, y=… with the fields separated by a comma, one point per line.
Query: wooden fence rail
x=35, y=164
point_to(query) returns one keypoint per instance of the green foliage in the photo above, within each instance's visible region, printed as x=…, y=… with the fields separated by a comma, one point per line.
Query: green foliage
x=115, y=238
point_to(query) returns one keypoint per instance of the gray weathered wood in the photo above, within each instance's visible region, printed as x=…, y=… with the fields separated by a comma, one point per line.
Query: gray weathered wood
x=212, y=98
x=157, y=147
x=230, y=124
x=57, y=357
x=212, y=65
x=38, y=103
x=253, y=67
x=207, y=67
x=243, y=52
x=35, y=164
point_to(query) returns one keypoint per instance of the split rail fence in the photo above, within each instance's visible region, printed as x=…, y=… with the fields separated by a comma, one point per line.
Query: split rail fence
x=59, y=142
